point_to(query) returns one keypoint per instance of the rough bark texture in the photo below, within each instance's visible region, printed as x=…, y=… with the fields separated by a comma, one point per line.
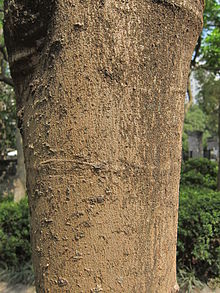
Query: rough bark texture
x=101, y=88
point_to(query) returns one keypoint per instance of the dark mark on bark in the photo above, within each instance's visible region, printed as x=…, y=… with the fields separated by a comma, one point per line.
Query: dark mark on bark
x=78, y=26
x=20, y=117
x=166, y=3
x=95, y=200
x=102, y=3
x=62, y=282
x=79, y=235
x=55, y=47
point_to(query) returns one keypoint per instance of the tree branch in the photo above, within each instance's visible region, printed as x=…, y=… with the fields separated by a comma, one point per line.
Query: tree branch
x=197, y=48
x=207, y=68
x=190, y=95
x=3, y=77
x=4, y=53
x=6, y=80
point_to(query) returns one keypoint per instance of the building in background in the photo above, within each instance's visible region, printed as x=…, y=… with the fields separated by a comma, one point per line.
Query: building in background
x=195, y=144
x=213, y=148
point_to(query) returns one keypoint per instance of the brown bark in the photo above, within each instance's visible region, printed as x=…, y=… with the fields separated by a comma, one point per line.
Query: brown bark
x=101, y=112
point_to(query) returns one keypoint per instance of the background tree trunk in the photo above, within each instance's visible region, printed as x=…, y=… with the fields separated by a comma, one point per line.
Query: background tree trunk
x=101, y=104
x=20, y=179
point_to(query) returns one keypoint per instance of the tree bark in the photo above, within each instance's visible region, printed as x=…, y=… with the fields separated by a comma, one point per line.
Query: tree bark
x=101, y=88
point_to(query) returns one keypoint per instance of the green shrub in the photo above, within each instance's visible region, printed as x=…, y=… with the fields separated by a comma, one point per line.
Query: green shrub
x=199, y=172
x=199, y=231
x=188, y=281
x=23, y=274
x=15, y=249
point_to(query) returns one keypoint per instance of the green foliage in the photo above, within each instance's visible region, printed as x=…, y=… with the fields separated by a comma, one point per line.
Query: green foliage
x=1, y=18
x=7, y=99
x=209, y=91
x=211, y=51
x=211, y=27
x=188, y=281
x=15, y=250
x=199, y=172
x=7, y=120
x=206, y=65
x=198, y=231
x=211, y=39
x=198, y=251
x=214, y=283
x=208, y=99
x=203, y=165
x=13, y=275
x=211, y=14
x=195, y=120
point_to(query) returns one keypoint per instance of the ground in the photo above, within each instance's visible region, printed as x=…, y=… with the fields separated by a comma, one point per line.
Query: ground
x=4, y=288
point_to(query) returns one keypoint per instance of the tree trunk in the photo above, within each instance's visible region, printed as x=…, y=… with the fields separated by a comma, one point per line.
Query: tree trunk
x=101, y=88
x=218, y=179
x=20, y=179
